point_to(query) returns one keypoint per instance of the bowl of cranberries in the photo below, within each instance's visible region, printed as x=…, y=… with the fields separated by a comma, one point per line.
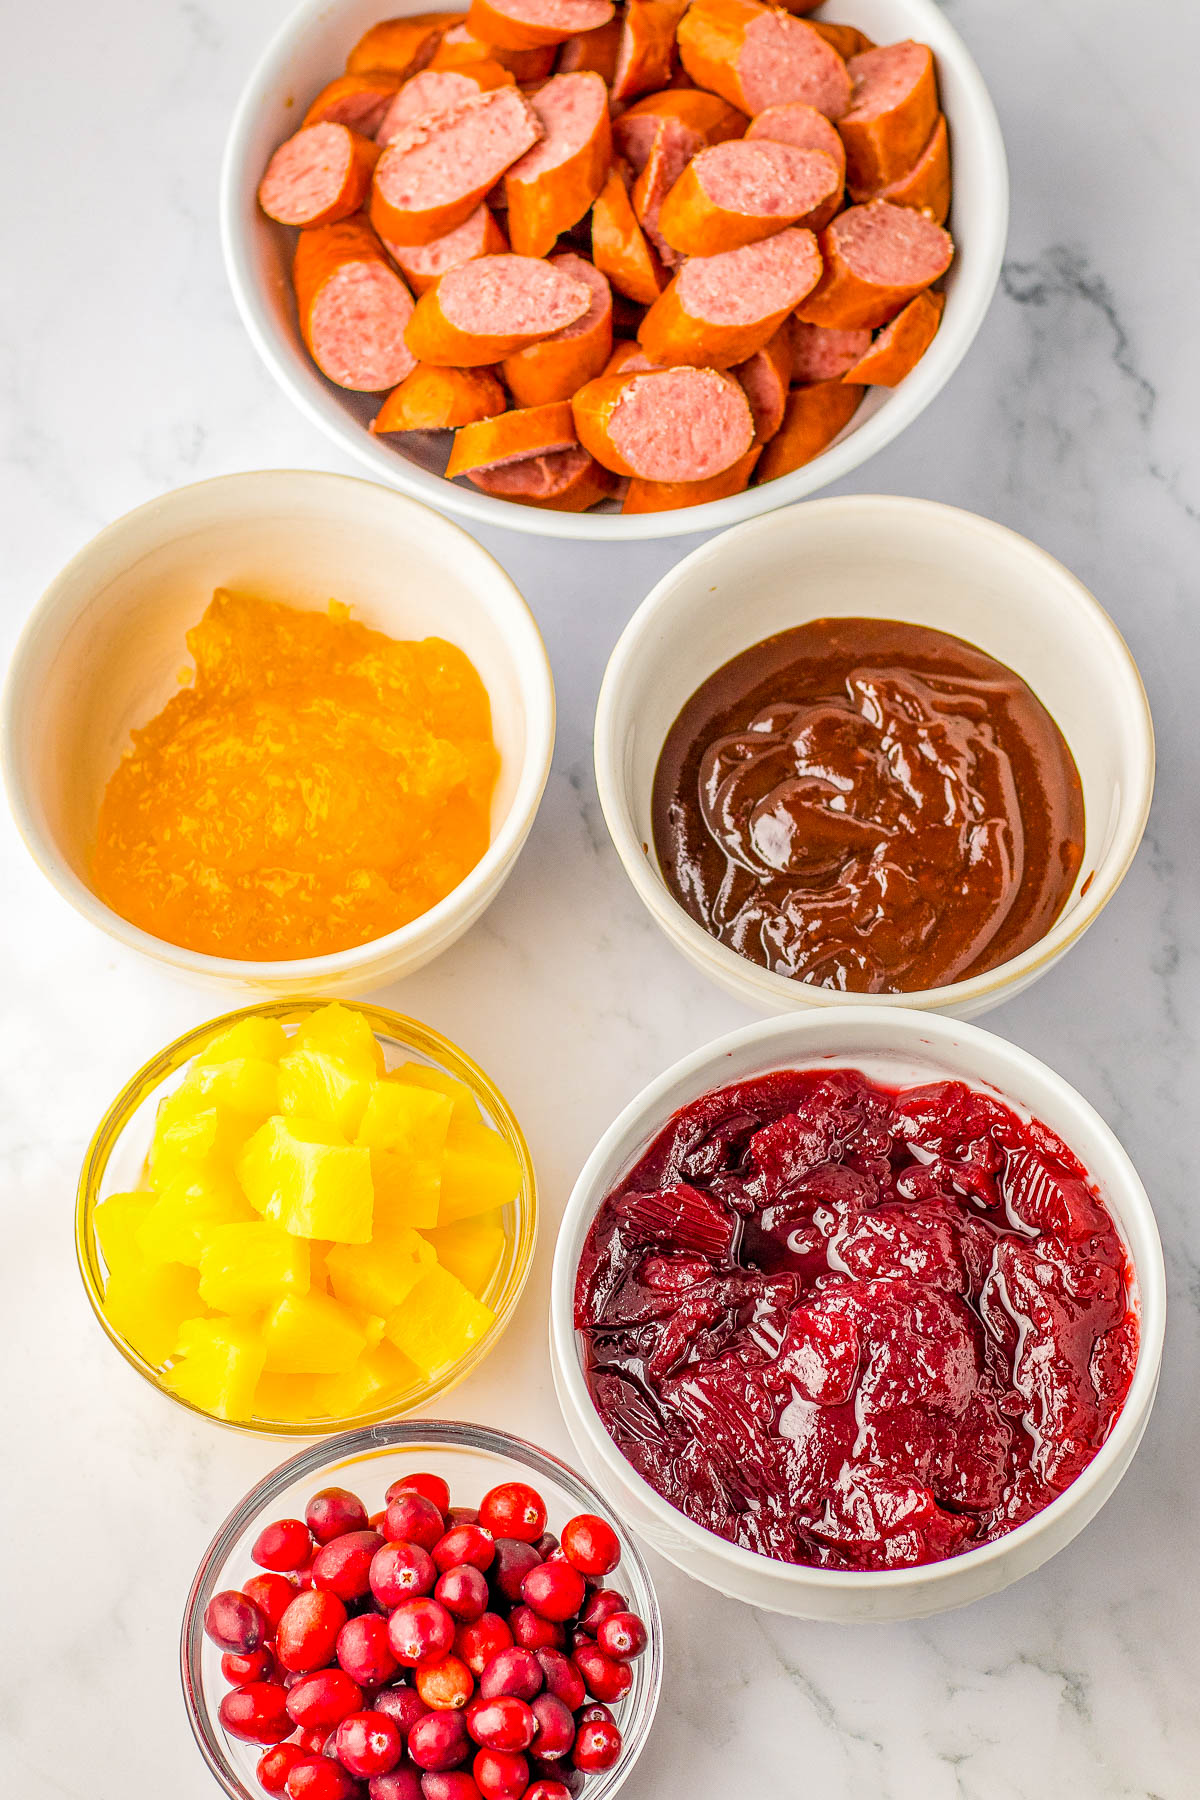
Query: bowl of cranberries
x=424, y=1611
x=858, y=1316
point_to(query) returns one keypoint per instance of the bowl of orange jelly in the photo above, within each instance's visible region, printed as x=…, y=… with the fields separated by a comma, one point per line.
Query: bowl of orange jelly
x=286, y=729
x=306, y=1215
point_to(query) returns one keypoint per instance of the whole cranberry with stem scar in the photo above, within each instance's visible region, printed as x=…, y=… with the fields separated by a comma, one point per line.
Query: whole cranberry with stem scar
x=590, y=1544
x=547, y=1788
x=463, y=1591
x=319, y=1778
x=256, y=1665
x=368, y=1743
x=420, y=1631
x=502, y=1723
x=401, y=1571
x=603, y=1677
x=513, y=1510
x=597, y=1746
x=554, y=1590
x=622, y=1636
x=321, y=1701
x=555, y=1732
x=562, y=1678
x=445, y=1686
x=364, y=1652
x=440, y=1741
x=343, y=1567
x=533, y=1632
x=461, y=1515
x=403, y=1705
x=272, y=1594
x=500, y=1774
x=547, y=1546
x=449, y=1784
x=595, y=1712
x=412, y=1519
x=513, y=1562
x=430, y=1487
x=516, y=1671
x=257, y=1713
x=398, y=1784
x=465, y=1544
x=479, y=1641
x=284, y=1545
x=333, y=1512
x=600, y=1606
x=234, y=1622
x=273, y=1765
x=307, y=1634
x=558, y=1775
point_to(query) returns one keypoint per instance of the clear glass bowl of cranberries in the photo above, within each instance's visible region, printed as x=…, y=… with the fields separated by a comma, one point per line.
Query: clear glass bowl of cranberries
x=421, y=1611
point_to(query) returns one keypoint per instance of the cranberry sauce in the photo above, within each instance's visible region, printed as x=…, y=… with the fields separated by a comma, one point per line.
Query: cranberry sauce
x=853, y=1326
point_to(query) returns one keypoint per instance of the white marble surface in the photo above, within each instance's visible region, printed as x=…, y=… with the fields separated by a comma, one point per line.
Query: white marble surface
x=125, y=372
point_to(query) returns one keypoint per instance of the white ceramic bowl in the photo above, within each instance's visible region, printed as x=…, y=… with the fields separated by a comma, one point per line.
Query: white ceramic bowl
x=310, y=49
x=901, y=1048
x=103, y=648
x=879, y=556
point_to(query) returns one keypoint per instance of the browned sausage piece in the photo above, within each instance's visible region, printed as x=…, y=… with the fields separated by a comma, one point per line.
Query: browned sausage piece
x=594, y=50
x=804, y=126
x=563, y=481
x=719, y=310
x=756, y=56
x=460, y=46
x=438, y=168
x=812, y=419
x=359, y=101
x=553, y=185
x=353, y=307
x=440, y=400
x=690, y=117
x=847, y=40
x=893, y=109
x=765, y=378
x=877, y=258
x=529, y=24
x=900, y=345
x=822, y=354
x=510, y=437
x=628, y=358
x=403, y=45
x=666, y=425
x=554, y=368
x=438, y=90
x=491, y=307
x=670, y=496
x=647, y=47
x=319, y=176
x=421, y=264
x=738, y=192
x=926, y=186
x=619, y=246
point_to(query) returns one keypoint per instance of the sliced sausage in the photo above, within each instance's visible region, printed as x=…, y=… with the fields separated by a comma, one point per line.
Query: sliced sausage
x=690, y=117
x=893, y=110
x=421, y=264
x=765, y=378
x=440, y=90
x=847, y=40
x=646, y=54
x=594, y=50
x=926, y=186
x=437, y=169
x=554, y=184
x=756, y=56
x=460, y=45
x=719, y=310
x=655, y=179
x=562, y=481
x=812, y=419
x=877, y=258
x=402, y=45
x=440, y=400
x=353, y=307
x=628, y=357
x=488, y=308
x=900, y=345
x=511, y=437
x=678, y=424
x=619, y=246
x=319, y=176
x=359, y=101
x=822, y=354
x=739, y=192
x=669, y=496
x=804, y=126
x=530, y=24
x=554, y=368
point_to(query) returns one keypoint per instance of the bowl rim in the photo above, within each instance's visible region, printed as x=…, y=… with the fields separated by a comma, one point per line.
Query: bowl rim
x=317, y=400
x=919, y=1034
x=655, y=618
x=68, y=594
x=420, y=1433
x=412, y=1034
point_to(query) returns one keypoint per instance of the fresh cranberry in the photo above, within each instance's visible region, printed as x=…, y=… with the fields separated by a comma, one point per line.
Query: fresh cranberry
x=479, y=1641
x=601, y=1605
x=590, y=1544
x=272, y=1594
x=446, y=1685
x=555, y=1728
x=323, y=1700
x=234, y=1622
x=502, y=1723
x=562, y=1678
x=577, y=1637
x=368, y=1743
x=412, y=1519
x=343, y=1567
x=401, y=1571
x=500, y=1774
x=557, y=1775
x=463, y=1591
x=333, y=1512
x=513, y=1562
x=461, y=1515
x=399, y=1784
x=377, y=1521
x=533, y=1632
x=514, y=1671
x=258, y=1665
x=257, y=1713
x=313, y=1742
x=554, y=1590
x=273, y=1766
x=597, y=1746
x=420, y=1631
x=364, y=1652
x=622, y=1636
x=546, y=1788
x=449, y=1784
x=319, y=1778
x=513, y=1510
x=439, y=1741
x=284, y=1545
x=595, y=1713
x=603, y=1677
x=430, y=1487
x=307, y=1635
x=465, y=1544
x=402, y=1705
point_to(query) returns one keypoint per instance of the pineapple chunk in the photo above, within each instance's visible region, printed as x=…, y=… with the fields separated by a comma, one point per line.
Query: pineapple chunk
x=187, y=1209
x=405, y=1130
x=315, y=1085
x=148, y=1306
x=116, y=1222
x=377, y=1276
x=288, y=1397
x=438, y=1322
x=192, y=1137
x=245, y=1085
x=479, y=1174
x=245, y=1268
x=302, y=1175
x=471, y=1249
x=263, y=1039
x=464, y=1111
x=220, y=1363
x=341, y=1032
x=378, y=1375
x=310, y=1334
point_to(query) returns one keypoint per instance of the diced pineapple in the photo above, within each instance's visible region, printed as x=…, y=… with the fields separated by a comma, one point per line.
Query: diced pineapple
x=263, y=1039
x=290, y=1398
x=405, y=1130
x=187, y=1209
x=471, y=1249
x=340, y=1031
x=377, y=1276
x=407, y=1194
x=301, y=1174
x=311, y=1334
x=117, y=1222
x=480, y=1174
x=191, y=1137
x=245, y=1268
x=148, y=1304
x=465, y=1112
x=314, y=1085
x=438, y=1322
x=245, y=1085
x=378, y=1375
x=219, y=1367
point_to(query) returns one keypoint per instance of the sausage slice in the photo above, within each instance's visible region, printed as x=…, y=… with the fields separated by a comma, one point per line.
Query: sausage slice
x=720, y=309
x=438, y=168
x=877, y=258
x=812, y=419
x=820, y=353
x=554, y=368
x=739, y=192
x=765, y=377
x=620, y=249
x=926, y=186
x=421, y=264
x=402, y=45
x=439, y=90
x=562, y=481
x=592, y=50
x=440, y=400
x=491, y=307
x=804, y=126
x=511, y=437
x=353, y=307
x=893, y=109
x=554, y=184
x=679, y=424
x=359, y=101
x=460, y=45
x=646, y=52
x=669, y=496
x=320, y=175
x=529, y=24
x=900, y=345
x=756, y=56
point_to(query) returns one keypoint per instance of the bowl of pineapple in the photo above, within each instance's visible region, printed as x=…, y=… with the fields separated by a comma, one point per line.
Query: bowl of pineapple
x=306, y=1215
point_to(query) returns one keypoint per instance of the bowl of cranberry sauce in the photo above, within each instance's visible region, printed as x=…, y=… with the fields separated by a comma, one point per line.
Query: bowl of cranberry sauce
x=858, y=1316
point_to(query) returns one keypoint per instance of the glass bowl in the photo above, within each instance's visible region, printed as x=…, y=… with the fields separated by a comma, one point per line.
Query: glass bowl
x=115, y=1163
x=471, y=1459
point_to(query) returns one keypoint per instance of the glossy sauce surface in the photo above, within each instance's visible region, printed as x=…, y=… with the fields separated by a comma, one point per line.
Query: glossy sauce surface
x=852, y=1326
x=868, y=806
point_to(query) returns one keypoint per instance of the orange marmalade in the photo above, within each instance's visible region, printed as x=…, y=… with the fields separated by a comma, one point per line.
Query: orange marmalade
x=315, y=786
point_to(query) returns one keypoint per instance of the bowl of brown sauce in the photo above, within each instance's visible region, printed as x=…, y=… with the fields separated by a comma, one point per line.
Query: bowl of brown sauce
x=873, y=747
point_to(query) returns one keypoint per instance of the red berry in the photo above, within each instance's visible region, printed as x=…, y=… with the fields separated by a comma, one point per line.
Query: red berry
x=318, y=1778
x=593, y=1711
x=513, y=1510
x=446, y=1685
x=591, y=1545
x=284, y=1545
x=533, y=1632
x=333, y=1512
x=482, y=1639
x=273, y=1766
x=343, y=1567
x=306, y=1638
x=412, y=1519
x=555, y=1728
x=597, y=1746
x=401, y=1572
x=546, y=1788
x=513, y=1671
x=234, y=1622
x=368, y=1743
x=420, y=1631
x=257, y=1713
x=554, y=1590
x=319, y=1702
x=547, y=1545
x=603, y=1677
x=500, y=1774
x=400, y=1784
x=448, y=1784
x=402, y=1705
x=622, y=1636
x=312, y=1742
x=272, y=1594
x=465, y=1544
x=463, y=1591
x=513, y=1563
x=557, y=1775
x=439, y=1741
x=430, y=1487
x=364, y=1652
x=502, y=1723
x=256, y=1665
x=600, y=1606
x=562, y=1678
